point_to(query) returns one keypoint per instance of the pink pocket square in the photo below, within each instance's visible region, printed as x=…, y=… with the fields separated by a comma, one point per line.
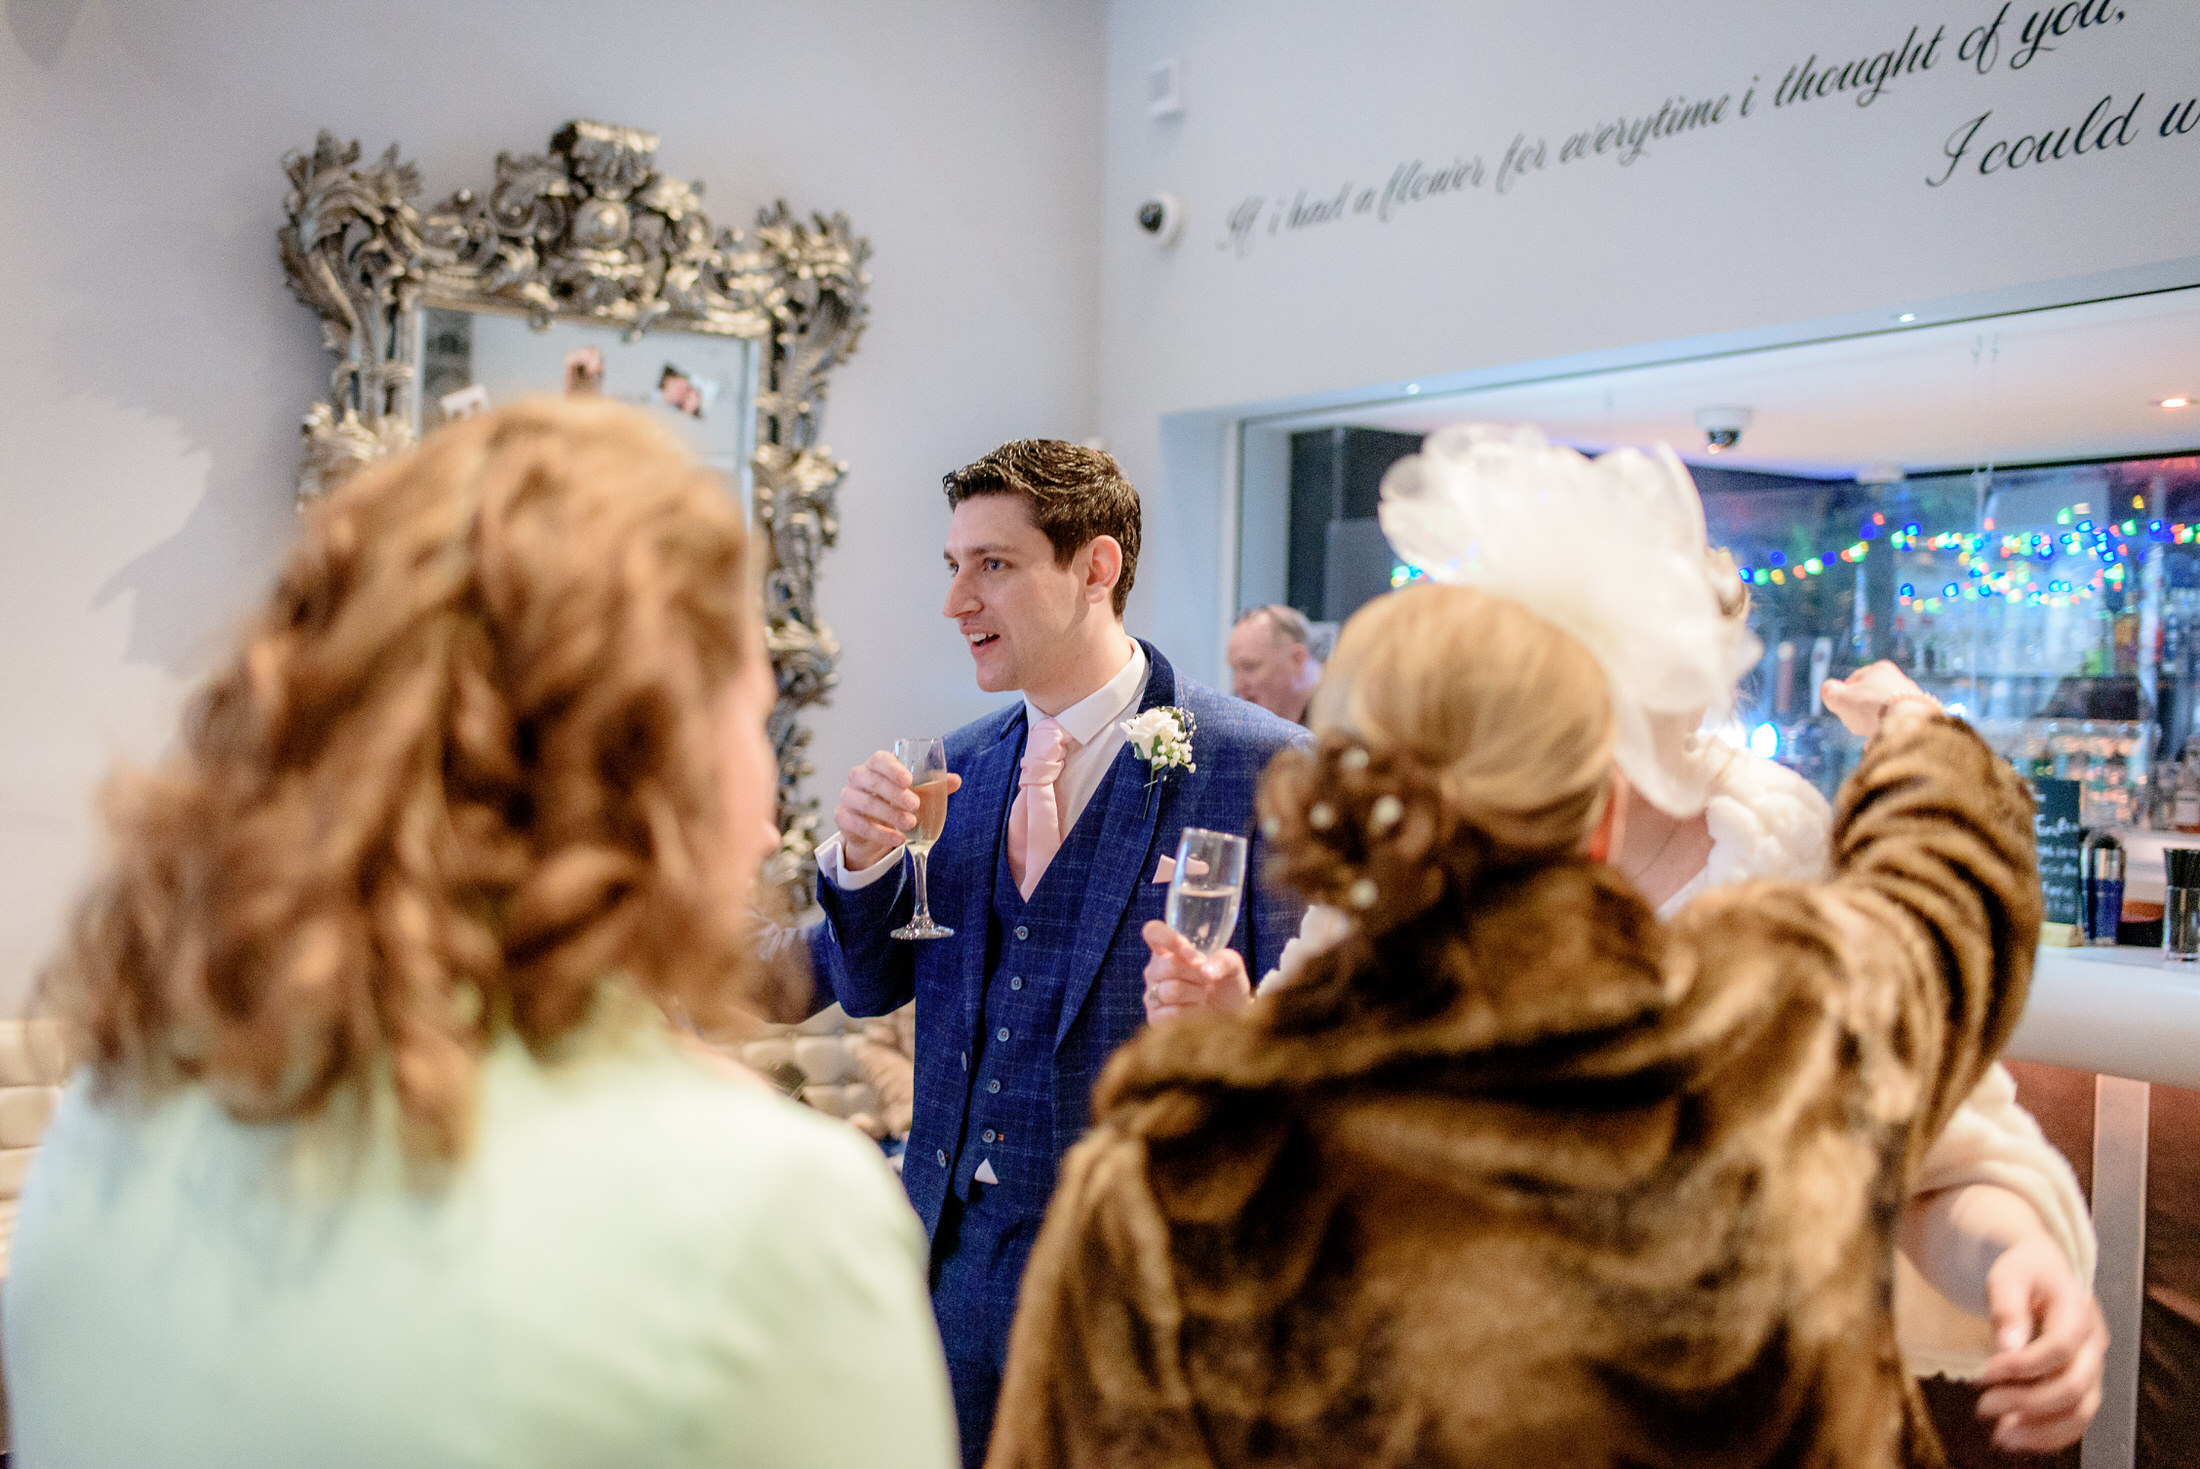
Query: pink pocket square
x=1164, y=869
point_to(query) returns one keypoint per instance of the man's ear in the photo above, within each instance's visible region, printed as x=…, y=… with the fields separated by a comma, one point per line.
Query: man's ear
x=1103, y=557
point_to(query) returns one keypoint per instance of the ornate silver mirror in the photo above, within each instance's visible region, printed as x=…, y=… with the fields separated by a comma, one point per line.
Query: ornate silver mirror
x=586, y=266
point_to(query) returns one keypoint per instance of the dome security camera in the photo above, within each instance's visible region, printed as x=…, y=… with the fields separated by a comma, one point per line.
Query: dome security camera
x=1162, y=218
x=1722, y=426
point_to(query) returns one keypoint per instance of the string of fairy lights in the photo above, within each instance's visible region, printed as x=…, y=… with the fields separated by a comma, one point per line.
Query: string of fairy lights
x=1990, y=565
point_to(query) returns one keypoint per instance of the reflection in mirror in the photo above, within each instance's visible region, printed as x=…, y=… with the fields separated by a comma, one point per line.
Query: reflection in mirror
x=702, y=388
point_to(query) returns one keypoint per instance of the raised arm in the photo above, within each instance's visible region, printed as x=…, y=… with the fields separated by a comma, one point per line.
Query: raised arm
x=865, y=892
x=1936, y=899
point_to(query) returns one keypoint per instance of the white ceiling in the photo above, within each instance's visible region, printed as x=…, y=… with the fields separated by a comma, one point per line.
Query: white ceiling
x=2075, y=382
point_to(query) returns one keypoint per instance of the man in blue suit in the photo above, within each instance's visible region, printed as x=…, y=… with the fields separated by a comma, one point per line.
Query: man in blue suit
x=1050, y=862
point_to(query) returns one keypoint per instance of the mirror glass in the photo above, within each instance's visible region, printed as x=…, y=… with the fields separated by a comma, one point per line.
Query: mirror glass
x=2007, y=507
x=701, y=387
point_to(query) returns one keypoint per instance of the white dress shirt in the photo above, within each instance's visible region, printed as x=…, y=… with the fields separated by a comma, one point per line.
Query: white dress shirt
x=1095, y=722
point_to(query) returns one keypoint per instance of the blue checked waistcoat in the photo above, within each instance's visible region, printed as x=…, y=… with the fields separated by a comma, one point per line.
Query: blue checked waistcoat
x=1066, y=978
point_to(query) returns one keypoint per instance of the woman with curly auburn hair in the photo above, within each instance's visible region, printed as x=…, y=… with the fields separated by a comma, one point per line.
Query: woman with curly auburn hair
x=1513, y=1172
x=386, y=1147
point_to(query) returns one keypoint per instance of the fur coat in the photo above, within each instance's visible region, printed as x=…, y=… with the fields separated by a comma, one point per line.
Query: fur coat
x=1516, y=1174
x=1767, y=821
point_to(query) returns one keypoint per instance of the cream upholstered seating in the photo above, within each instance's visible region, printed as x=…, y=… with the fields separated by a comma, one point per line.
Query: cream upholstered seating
x=848, y=1068
x=30, y=1065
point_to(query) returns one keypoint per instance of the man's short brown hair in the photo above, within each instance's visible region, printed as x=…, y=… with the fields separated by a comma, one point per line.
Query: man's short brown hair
x=1076, y=494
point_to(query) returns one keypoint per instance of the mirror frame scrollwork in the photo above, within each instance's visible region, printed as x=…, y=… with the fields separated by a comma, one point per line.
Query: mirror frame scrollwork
x=591, y=232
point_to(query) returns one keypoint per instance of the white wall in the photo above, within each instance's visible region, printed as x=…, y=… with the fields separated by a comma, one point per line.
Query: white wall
x=156, y=367
x=1793, y=214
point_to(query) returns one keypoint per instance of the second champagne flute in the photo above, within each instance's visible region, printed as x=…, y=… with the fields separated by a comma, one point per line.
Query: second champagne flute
x=926, y=762
x=1207, y=886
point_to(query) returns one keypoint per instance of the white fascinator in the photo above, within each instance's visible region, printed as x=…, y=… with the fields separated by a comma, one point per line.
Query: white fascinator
x=1610, y=549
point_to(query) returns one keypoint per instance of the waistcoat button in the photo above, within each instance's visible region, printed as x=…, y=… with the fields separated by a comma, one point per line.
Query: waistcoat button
x=993, y=1086
x=1022, y=932
x=989, y=1134
x=1001, y=1034
x=966, y=1060
x=1016, y=983
x=942, y=1156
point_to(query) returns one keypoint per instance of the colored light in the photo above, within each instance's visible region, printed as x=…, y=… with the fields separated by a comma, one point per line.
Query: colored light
x=2062, y=517
x=1814, y=566
x=1908, y=590
x=2180, y=401
x=1948, y=590
x=1779, y=579
x=1776, y=558
x=1764, y=741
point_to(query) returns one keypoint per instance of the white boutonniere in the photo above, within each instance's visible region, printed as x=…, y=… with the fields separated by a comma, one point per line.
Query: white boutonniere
x=1162, y=737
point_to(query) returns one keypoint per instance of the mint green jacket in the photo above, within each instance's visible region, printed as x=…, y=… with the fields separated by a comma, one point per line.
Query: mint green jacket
x=641, y=1261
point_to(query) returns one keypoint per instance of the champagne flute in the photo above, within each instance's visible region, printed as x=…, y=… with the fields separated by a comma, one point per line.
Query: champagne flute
x=1207, y=886
x=926, y=762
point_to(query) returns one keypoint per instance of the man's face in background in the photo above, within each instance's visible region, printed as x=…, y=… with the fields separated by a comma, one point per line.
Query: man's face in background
x=1269, y=669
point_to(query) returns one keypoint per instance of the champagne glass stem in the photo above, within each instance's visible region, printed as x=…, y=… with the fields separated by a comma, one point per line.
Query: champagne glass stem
x=924, y=901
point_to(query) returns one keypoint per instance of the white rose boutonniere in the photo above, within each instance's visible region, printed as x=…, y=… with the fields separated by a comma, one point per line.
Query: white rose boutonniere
x=1162, y=737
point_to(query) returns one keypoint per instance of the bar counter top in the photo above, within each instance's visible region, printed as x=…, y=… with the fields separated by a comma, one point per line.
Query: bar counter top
x=2123, y=1012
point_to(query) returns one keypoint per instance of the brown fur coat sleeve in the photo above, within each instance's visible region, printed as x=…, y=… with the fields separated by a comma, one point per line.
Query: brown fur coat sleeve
x=1537, y=1180
x=1931, y=921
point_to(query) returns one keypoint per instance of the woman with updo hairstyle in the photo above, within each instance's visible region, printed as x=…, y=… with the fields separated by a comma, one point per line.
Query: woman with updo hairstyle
x=387, y=1144
x=1512, y=1172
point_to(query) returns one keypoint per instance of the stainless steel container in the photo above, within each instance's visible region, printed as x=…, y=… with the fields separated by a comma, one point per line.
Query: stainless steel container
x=2181, y=905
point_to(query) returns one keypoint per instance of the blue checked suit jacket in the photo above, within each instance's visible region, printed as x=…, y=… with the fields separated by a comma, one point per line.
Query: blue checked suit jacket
x=1104, y=999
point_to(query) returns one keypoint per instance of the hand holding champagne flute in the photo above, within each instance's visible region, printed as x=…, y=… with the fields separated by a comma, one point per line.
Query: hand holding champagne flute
x=925, y=764
x=877, y=810
x=883, y=808
x=1192, y=968
x=1206, y=887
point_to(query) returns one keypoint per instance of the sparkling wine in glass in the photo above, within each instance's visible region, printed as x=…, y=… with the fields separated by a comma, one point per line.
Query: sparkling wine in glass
x=926, y=762
x=1207, y=887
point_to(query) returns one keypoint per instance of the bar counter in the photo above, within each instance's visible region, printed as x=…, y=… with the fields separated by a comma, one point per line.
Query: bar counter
x=2120, y=1012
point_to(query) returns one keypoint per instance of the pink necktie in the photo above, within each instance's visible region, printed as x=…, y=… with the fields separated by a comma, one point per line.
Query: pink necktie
x=1035, y=821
